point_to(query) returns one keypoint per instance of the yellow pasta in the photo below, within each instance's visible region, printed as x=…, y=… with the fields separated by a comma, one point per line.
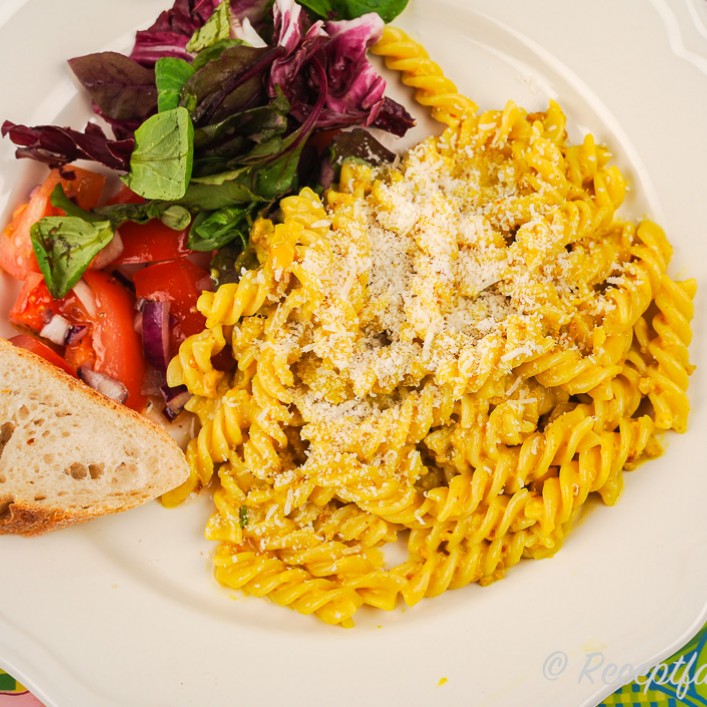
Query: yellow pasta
x=453, y=353
x=432, y=88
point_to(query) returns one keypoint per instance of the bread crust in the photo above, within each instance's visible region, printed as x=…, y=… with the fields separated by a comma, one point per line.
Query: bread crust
x=22, y=375
x=31, y=519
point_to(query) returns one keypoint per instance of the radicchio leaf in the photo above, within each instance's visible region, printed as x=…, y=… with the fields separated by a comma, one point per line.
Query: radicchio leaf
x=252, y=10
x=57, y=146
x=354, y=86
x=354, y=90
x=171, y=32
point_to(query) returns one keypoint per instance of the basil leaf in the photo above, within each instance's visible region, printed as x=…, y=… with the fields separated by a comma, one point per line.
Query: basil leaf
x=210, y=197
x=388, y=10
x=277, y=177
x=321, y=8
x=161, y=163
x=171, y=74
x=257, y=124
x=65, y=247
x=216, y=28
x=224, y=146
x=213, y=52
x=172, y=215
x=215, y=229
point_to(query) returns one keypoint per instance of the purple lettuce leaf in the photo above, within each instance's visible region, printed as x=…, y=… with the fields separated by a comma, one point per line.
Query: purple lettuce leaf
x=257, y=12
x=354, y=90
x=233, y=82
x=120, y=88
x=393, y=118
x=172, y=30
x=57, y=146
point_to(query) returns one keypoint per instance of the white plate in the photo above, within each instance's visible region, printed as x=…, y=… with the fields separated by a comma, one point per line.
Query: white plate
x=124, y=610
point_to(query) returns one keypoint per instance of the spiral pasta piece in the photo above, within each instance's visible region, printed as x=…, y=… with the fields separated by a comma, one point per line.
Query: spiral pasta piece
x=432, y=88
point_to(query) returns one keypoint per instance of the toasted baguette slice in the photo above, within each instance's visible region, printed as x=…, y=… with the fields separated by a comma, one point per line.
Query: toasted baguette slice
x=69, y=454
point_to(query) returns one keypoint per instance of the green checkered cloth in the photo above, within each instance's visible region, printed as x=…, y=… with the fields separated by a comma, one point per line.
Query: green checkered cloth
x=8, y=684
x=678, y=681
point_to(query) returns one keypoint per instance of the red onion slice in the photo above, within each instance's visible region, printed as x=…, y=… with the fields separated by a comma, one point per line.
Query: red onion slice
x=75, y=333
x=110, y=387
x=175, y=400
x=155, y=333
x=56, y=329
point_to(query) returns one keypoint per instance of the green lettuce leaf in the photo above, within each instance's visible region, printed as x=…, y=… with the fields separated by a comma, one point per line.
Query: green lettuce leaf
x=216, y=28
x=215, y=229
x=161, y=163
x=171, y=74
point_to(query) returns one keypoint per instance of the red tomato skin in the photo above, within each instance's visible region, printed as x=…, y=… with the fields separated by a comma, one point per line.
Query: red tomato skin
x=150, y=242
x=111, y=344
x=179, y=282
x=116, y=344
x=16, y=253
x=31, y=343
x=17, y=256
x=33, y=308
x=34, y=305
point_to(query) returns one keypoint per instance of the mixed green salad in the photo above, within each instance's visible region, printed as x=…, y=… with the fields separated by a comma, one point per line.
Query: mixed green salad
x=220, y=109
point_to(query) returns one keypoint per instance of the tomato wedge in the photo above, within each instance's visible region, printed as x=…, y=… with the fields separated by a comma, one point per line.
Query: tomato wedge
x=150, y=242
x=34, y=305
x=110, y=344
x=115, y=342
x=31, y=343
x=16, y=253
x=179, y=282
x=86, y=187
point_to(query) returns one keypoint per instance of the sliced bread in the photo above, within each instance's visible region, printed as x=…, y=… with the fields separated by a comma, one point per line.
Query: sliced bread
x=69, y=454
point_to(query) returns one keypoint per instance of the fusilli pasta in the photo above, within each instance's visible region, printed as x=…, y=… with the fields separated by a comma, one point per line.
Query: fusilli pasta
x=454, y=352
